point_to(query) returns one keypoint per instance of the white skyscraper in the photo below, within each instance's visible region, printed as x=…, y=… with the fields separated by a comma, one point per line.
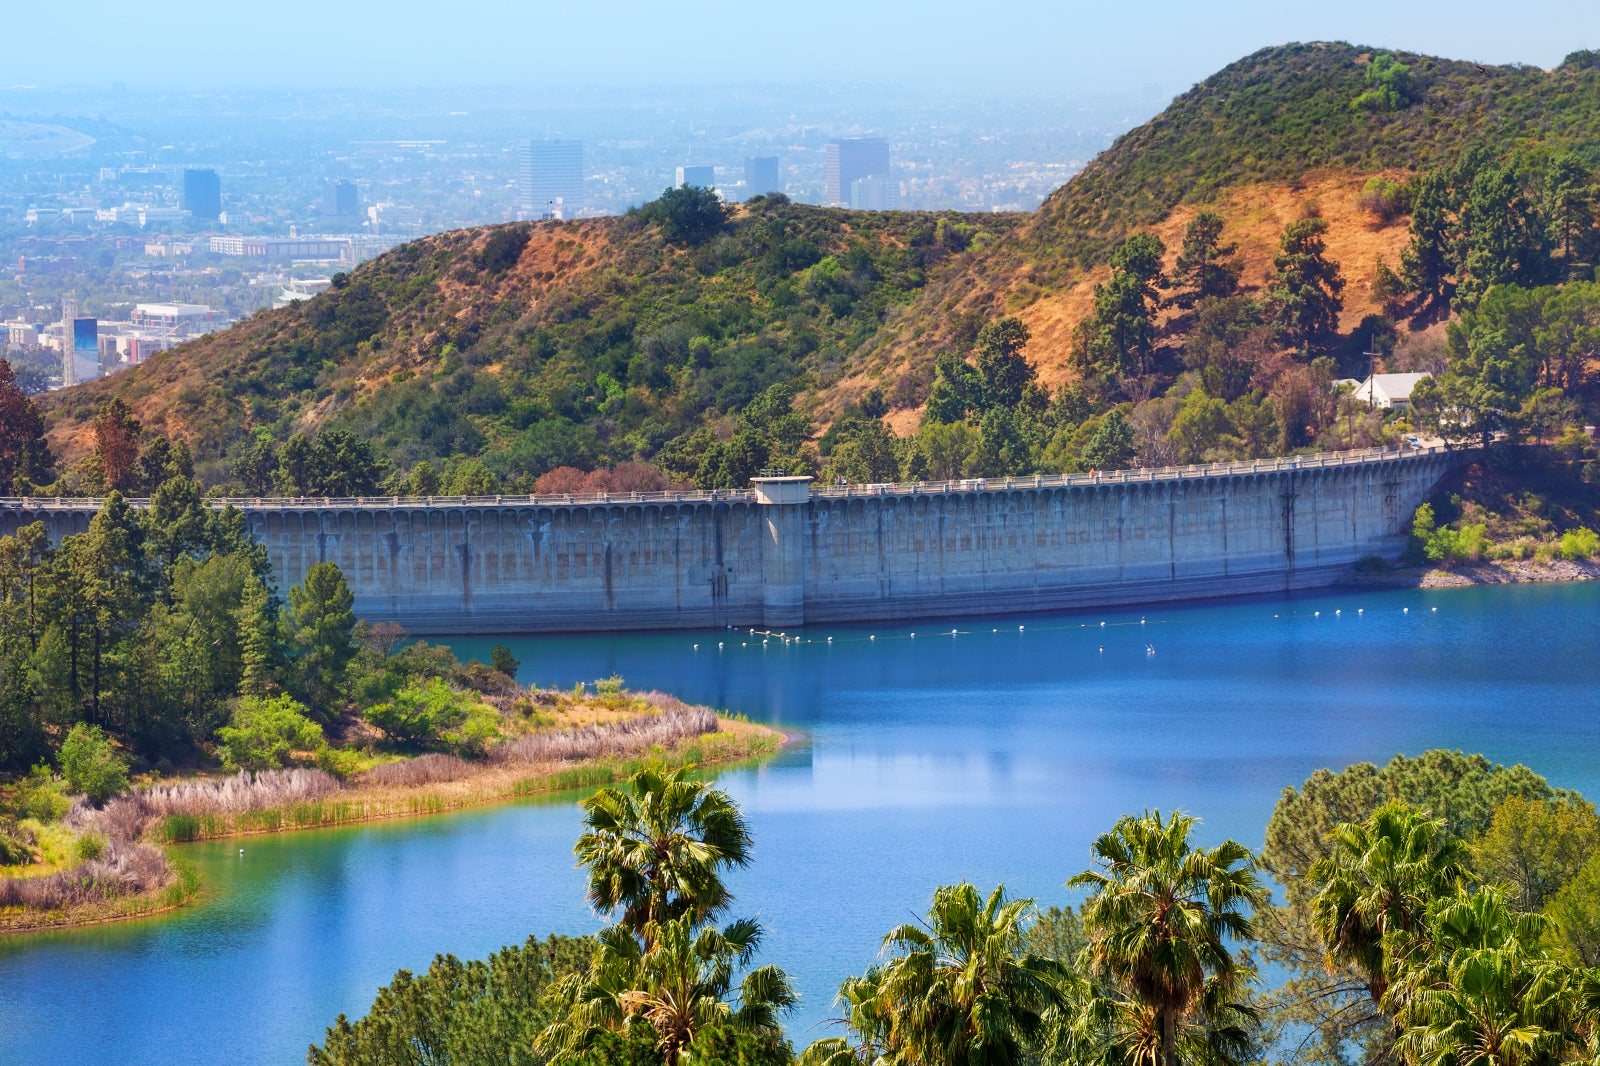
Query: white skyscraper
x=551, y=182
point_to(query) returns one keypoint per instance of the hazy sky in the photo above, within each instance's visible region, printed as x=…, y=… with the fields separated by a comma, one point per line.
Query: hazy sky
x=1009, y=45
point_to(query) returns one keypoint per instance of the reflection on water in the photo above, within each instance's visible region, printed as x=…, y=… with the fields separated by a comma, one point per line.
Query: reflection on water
x=994, y=754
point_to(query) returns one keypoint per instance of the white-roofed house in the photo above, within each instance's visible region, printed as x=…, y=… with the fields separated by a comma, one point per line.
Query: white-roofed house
x=1389, y=391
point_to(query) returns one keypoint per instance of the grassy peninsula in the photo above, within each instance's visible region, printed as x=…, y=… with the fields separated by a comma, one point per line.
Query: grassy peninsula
x=74, y=862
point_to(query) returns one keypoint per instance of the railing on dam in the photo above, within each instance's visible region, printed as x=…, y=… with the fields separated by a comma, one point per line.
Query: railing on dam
x=1321, y=460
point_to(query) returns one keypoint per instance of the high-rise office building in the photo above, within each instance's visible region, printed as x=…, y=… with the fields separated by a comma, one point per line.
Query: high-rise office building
x=874, y=194
x=551, y=184
x=340, y=199
x=761, y=175
x=851, y=160
x=202, y=194
x=80, y=346
x=704, y=177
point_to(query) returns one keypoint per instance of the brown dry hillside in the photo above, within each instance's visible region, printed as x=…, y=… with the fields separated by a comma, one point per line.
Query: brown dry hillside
x=1254, y=217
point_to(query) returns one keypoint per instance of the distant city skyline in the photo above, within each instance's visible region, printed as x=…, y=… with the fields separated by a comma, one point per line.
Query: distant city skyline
x=1026, y=45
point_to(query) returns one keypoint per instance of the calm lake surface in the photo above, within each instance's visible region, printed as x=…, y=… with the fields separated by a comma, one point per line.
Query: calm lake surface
x=992, y=755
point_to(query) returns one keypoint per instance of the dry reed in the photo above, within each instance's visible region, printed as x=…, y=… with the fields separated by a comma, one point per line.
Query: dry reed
x=411, y=773
x=619, y=739
x=126, y=868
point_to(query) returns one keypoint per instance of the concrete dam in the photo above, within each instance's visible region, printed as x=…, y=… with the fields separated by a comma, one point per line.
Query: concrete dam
x=788, y=554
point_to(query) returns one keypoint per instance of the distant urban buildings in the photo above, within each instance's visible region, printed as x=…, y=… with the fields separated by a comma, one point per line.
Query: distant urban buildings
x=340, y=199
x=551, y=182
x=875, y=194
x=202, y=194
x=850, y=161
x=702, y=177
x=319, y=249
x=92, y=348
x=761, y=175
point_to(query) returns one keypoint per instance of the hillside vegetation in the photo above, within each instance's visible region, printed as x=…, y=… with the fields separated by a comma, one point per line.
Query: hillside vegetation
x=1310, y=213
x=539, y=345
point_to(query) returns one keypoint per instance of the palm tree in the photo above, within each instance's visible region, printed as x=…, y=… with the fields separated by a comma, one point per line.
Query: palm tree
x=1159, y=918
x=959, y=989
x=1378, y=881
x=678, y=981
x=657, y=849
x=1481, y=990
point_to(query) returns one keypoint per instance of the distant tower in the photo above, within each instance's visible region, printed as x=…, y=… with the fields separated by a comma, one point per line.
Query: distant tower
x=202, y=194
x=69, y=370
x=761, y=175
x=850, y=161
x=551, y=182
x=340, y=199
x=80, y=346
x=704, y=177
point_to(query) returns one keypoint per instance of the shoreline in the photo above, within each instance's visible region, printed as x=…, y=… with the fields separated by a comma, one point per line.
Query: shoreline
x=735, y=741
x=1468, y=575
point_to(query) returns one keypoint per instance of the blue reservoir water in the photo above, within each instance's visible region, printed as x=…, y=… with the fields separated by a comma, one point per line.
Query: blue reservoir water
x=993, y=755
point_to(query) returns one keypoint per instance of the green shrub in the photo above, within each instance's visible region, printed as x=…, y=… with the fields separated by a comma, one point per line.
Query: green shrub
x=88, y=847
x=264, y=732
x=340, y=762
x=431, y=712
x=609, y=688
x=91, y=764
x=1579, y=544
x=40, y=797
x=1465, y=545
x=501, y=659
x=16, y=844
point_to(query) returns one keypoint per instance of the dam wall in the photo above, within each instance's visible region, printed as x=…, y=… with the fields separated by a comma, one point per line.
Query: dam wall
x=787, y=554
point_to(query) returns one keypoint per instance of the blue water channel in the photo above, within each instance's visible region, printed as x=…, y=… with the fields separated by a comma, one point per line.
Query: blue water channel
x=994, y=754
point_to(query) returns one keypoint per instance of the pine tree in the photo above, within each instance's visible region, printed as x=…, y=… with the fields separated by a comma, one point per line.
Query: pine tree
x=1307, y=285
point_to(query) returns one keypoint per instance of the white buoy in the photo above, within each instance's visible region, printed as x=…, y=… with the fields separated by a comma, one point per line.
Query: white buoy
x=830, y=640
x=1361, y=610
x=873, y=637
x=1405, y=610
x=1316, y=614
x=719, y=645
x=952, y=632
x=1019, y=629
x=1141, y=621
x=241, y=853
x=1436, y=610
x=1336, y=614
x=697, y=647
x=913, y=636
x=1102, y=649
x=1102, y=625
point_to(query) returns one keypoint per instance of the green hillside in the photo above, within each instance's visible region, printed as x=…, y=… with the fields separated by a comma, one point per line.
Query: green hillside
x=688, y=344
x=1291, y=110
x=539, y=345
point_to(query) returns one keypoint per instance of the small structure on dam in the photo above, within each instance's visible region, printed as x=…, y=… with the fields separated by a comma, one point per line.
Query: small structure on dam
x=787, y=554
